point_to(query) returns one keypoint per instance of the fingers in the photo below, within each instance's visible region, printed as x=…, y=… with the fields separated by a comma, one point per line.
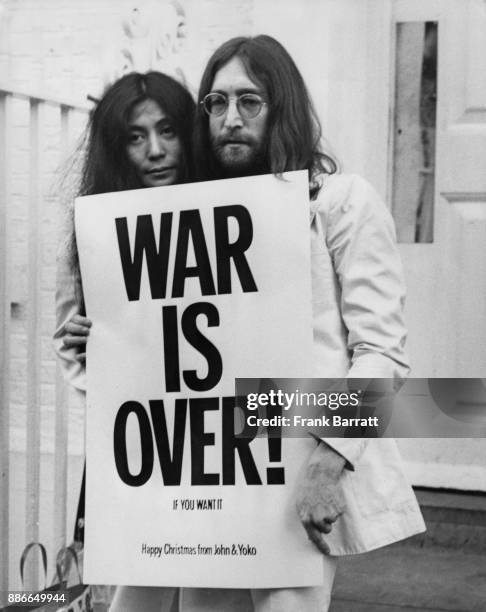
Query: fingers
x=319, y=513
x=81, y=357
x=324, y=526
x=78, y=325
x=331, y=516
x=80, y=320
x=316, y=538
x=77, y=332
x=318, y=521
x=74, y=341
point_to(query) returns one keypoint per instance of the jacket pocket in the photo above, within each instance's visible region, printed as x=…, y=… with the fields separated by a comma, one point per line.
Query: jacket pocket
x=378, y=482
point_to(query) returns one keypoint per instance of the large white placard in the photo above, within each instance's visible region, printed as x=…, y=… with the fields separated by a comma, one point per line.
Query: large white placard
x=189, y=287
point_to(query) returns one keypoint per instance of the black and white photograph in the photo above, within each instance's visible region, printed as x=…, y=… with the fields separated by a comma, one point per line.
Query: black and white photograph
x=243, y=305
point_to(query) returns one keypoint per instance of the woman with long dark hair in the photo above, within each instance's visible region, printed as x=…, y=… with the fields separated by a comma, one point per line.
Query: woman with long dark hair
x=138, y=136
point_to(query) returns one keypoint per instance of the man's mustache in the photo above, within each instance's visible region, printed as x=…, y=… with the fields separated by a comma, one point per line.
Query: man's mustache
x=223, y=139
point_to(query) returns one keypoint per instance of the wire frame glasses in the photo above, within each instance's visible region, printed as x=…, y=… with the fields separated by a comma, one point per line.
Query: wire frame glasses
x=249, y=105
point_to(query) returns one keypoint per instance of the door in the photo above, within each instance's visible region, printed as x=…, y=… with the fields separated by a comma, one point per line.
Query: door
x=446, y=278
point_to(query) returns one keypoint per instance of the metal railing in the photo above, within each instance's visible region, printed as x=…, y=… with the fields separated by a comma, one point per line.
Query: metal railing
x=23, y=498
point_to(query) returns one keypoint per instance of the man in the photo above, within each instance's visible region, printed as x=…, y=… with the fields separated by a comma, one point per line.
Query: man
x=255, y=117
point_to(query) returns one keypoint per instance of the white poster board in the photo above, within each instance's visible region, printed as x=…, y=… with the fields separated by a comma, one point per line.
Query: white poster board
x=189, y=287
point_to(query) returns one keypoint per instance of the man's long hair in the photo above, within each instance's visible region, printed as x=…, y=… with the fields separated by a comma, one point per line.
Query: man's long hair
x=293, y=135
x=106, y=166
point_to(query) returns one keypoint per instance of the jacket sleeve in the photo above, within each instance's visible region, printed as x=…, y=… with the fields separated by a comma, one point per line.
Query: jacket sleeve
x=73, y=371
x=361, y=239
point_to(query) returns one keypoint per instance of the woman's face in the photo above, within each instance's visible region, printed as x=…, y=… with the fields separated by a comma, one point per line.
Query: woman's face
x=153, y=146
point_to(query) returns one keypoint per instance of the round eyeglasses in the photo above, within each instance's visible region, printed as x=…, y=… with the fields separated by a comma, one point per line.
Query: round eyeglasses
x=249, y=105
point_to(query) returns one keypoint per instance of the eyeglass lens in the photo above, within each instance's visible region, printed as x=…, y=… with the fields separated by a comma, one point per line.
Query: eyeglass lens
x=248, y=105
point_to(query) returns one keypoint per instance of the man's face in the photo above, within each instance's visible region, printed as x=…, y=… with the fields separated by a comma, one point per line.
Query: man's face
x=237, y=141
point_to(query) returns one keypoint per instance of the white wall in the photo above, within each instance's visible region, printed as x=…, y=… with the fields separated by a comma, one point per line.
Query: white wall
x=327, y=39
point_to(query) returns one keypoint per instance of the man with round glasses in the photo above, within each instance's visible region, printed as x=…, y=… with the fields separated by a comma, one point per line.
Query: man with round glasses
x=256, y=117
x=237, y=116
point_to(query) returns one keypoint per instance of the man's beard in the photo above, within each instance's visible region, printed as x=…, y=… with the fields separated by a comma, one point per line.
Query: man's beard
x=245, y=158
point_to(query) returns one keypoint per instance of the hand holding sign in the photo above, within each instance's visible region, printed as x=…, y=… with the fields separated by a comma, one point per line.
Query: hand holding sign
x=77, y=332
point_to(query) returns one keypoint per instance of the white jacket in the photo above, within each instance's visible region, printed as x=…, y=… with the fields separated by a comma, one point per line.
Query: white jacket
x=358, y=295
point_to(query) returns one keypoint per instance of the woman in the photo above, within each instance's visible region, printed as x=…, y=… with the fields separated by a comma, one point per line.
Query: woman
x=138, y=136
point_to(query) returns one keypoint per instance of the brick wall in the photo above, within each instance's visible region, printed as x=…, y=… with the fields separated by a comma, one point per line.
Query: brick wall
x=56, y=45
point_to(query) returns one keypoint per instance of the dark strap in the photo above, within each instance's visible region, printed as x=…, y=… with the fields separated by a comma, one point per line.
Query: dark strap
x=24, y=556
